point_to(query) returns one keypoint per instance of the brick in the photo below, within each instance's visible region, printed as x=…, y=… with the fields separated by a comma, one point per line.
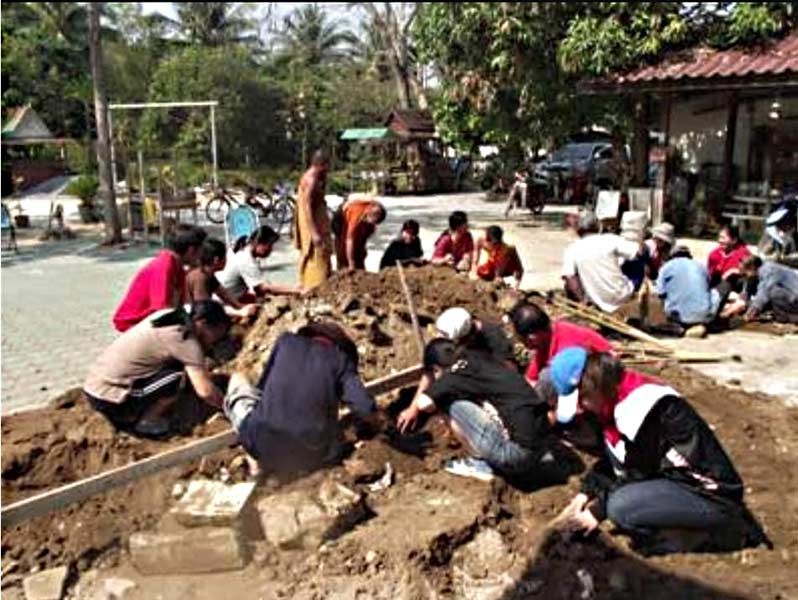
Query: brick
x=212, y=503
x=196, y=550
x=46, y=585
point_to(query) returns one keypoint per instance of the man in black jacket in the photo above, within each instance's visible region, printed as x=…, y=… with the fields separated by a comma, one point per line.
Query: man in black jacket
x=665, y=471
x=407, y=247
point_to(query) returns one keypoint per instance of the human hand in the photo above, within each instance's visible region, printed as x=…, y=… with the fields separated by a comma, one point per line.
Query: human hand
x=249, y=310
x=407, y=419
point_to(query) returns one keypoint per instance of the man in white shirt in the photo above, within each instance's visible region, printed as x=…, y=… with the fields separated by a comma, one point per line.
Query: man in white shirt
x=592, y=266
x=243, y=277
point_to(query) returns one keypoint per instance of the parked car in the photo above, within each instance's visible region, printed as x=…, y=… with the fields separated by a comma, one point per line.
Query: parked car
x=590, y=160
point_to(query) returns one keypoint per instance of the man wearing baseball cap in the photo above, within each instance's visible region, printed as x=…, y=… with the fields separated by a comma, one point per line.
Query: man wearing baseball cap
x=664, y=468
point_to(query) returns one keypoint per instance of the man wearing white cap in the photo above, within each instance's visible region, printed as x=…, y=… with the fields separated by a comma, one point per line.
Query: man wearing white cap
x=664, y=469
x=457, y=324
x=592, y=266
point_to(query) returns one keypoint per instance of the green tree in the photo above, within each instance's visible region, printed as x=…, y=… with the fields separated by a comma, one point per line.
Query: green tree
x=310, y=40
x=217, y=23
x=249, y=122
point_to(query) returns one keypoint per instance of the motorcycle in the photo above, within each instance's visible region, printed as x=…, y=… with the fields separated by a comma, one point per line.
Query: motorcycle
x=532, y=191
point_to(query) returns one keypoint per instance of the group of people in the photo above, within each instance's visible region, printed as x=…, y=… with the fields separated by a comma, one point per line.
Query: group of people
x=607, y=269
x=663, y=469
x=318, y=236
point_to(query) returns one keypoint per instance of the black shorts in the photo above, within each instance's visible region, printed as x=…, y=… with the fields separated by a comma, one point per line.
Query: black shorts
x=143, y=394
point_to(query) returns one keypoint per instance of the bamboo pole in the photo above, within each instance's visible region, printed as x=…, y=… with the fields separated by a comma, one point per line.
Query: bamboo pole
x=411, y=307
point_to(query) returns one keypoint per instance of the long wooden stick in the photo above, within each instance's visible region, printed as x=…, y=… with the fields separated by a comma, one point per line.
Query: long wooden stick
x=412, y=308
x=63, y=496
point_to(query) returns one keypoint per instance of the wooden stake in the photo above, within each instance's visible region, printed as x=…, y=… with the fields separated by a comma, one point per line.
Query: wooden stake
x=411, y=307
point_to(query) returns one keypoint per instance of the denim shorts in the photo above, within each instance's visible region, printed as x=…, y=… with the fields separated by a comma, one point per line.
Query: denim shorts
x=486, y=434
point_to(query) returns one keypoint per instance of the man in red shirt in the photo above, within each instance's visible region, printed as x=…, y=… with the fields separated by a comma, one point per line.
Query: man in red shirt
x=162, y=282
x=724, y=261
x=546, y=339
x=455, y=246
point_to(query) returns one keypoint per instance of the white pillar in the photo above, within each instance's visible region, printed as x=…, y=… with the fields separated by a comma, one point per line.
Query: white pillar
x=213, y=148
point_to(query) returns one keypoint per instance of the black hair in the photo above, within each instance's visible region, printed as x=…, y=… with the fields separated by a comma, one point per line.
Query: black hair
x=751, y=262
x=185, y=237
x=262, y=235
x=440, y=352
x=211, y=251
x=733, y=231
x=494, y=234
x=335, y=333
x=681, y=252
x=211, y=312
x=411, y=225
x=457, y=219
x=528, y=318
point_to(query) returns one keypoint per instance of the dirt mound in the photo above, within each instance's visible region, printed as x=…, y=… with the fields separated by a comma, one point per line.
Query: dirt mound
x=373, y=307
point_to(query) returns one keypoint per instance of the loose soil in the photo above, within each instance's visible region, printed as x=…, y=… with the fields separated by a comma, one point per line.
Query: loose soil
x=431, y=532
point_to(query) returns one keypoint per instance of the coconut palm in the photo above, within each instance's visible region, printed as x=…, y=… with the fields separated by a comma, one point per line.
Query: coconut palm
x=217, y=23
x=310, y=39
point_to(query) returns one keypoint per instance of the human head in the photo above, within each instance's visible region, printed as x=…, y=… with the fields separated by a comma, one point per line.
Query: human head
x=584, y=382
x=335, y=333
x=185, y=241
x=458, y=223
x=320, y=161
x=587, y=223
x=410, y=231
x=729, y=236
x=439, y=355
x=211, y=323
x=375, y=214
x=681, y=251
x=750, y=266
x=455, y=324
x=531, y=324
x=493, y=236
x=213, y=254
x=262, y=241
x=664, y=236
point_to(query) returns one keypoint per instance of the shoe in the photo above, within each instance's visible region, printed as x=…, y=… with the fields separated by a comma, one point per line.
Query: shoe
x=696, y=331
x=469, y=467
x=153, y=428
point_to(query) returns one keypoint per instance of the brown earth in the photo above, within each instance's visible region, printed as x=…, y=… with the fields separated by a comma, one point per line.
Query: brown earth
x=430, y=532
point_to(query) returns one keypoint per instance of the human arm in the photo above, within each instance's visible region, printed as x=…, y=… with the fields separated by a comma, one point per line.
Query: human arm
x=313, y=186
x=478, y=246
x=275, y=289
x=227, y=298
x=572, y=285
x=409, y=417
x=203, y=385
x=573, y=288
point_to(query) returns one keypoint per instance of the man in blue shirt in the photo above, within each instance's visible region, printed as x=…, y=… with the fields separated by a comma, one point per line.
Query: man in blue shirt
x=776, y=289
x=289, y=421
x=683, y=284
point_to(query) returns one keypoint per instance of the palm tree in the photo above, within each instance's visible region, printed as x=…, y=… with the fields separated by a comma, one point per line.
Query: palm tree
x=217, y=23
x=309, y=39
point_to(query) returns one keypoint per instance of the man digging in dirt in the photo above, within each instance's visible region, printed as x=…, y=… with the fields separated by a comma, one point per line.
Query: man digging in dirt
x=666, y=480
x=358, y=220
x=161, y=283
x=289, y=421
x=776, y=289
x=135, y=381
x=494, y=413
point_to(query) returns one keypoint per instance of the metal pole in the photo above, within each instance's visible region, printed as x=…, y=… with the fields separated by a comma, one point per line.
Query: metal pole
x=213, y=147
x=143, y=191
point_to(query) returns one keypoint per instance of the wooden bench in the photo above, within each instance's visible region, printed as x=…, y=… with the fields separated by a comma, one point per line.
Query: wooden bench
x=742, y=210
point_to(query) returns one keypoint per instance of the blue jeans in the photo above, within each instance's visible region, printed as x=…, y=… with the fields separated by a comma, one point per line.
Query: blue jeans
x=487, y=436
x=645, y=506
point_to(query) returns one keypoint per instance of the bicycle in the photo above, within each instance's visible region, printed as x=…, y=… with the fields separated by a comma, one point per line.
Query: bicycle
x=280, y=208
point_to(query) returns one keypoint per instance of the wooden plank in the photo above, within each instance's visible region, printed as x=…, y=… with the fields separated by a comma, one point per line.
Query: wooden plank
x=77, y=491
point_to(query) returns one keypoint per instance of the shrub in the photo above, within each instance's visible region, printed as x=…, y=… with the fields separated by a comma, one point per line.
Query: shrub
x=84, y=187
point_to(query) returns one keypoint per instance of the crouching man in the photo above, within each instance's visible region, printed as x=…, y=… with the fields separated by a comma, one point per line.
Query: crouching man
x=134, y=382
x=492, y=411
x=666, y=479
x=289, y=421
